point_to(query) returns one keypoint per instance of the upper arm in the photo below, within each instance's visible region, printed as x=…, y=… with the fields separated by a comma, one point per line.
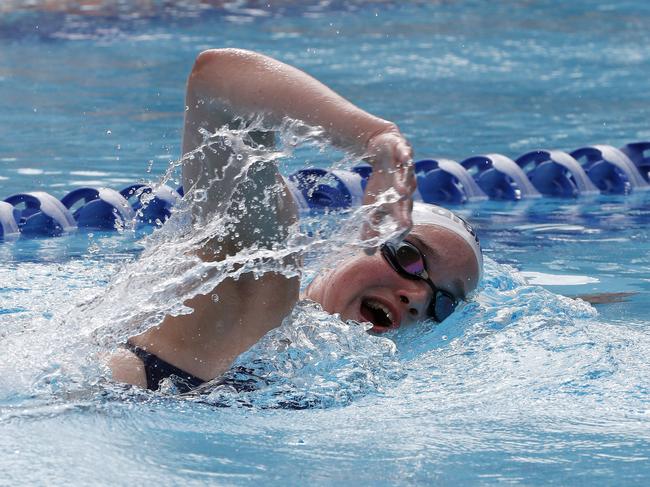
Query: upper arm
x=127, y=368
x=245, y=189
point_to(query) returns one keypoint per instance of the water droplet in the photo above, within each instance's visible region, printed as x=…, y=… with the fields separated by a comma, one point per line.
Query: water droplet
x=200, y=195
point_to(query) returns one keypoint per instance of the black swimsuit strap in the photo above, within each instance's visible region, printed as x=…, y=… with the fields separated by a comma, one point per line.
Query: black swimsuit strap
x=157, y=369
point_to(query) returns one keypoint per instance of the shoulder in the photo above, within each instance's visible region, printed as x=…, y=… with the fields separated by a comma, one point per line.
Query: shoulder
x=127, y=367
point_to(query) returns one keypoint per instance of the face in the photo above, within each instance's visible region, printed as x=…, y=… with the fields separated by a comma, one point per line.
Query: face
x=367, y=289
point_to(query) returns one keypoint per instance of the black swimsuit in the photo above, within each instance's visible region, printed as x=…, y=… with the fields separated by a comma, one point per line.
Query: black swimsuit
x=157, y=369
x=240, y=379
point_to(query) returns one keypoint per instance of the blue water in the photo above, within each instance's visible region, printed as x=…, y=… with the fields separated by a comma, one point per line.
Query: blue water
x=523, y=386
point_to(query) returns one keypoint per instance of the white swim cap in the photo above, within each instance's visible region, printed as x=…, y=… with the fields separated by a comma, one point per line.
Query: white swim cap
x=424, y=213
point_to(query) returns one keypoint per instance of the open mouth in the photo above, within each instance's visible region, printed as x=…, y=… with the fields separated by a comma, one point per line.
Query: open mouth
x=377, y=313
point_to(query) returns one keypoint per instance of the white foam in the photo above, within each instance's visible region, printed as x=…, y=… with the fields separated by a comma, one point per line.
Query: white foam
x=543, y=279
x=29, y=171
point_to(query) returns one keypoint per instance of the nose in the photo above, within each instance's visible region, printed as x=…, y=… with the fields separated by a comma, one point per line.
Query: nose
x=415, y=298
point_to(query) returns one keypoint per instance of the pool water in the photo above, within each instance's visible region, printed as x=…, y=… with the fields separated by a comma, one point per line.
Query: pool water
x=524, y=385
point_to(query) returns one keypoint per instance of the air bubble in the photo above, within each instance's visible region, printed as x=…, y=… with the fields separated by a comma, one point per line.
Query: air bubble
x=200, y=195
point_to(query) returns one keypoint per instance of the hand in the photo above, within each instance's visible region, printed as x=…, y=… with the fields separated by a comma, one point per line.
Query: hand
x=391, y=184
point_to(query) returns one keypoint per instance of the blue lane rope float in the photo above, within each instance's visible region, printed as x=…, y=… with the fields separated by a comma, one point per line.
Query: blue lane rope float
x=151, y=205
x=556, y=173
x=639, y=153
x=444, y=180
x=584, y=171
x=610, y=169
x=42, y=214
x=9, y=216
x=319, y=188
x=102, y=208
x=500, y=177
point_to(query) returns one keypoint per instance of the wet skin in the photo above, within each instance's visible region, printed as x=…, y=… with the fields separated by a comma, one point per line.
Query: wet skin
x=367, y=289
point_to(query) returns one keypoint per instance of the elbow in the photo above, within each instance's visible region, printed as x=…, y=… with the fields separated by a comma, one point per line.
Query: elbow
x=205, y=62
x=219, y=71
x=208, y=58
x=219, y=60
x=209, y=72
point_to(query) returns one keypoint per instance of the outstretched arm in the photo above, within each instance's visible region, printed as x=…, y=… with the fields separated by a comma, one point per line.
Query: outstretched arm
x=230, y=83
x=246, y=83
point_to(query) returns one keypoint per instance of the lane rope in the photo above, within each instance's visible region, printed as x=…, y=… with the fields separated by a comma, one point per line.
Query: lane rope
x=588, y=170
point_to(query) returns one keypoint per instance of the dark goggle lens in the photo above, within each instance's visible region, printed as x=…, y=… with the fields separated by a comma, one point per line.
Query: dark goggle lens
x=407, y=259
x=443, y=306
x=410, y=259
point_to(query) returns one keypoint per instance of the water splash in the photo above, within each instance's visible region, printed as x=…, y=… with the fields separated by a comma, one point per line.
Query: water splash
x=511, y=336
x=65, y=349
x=313, y=360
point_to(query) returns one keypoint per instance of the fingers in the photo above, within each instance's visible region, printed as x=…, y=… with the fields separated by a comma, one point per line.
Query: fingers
x=404, y=152
x=389, y=190
x=405, y=182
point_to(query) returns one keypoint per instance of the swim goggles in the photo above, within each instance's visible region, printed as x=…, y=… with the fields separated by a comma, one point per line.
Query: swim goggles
x=407, y=260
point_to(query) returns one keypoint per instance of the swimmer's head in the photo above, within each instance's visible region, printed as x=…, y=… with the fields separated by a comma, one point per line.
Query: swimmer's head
x=373, y=289
x=427, y=214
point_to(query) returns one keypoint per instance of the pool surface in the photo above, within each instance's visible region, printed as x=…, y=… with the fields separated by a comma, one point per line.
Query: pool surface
x=523, y=386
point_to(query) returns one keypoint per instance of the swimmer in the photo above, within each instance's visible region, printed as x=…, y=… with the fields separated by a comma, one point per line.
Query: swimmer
x=423, y=276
